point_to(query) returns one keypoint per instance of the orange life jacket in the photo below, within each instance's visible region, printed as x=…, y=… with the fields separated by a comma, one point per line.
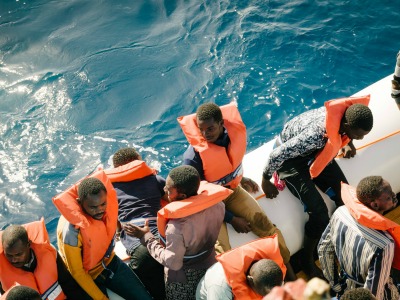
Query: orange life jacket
x=134, y=170
x=97, y=236
x=221, y=166
x=371, y=219
x=236, y=263
x=335, y=110
x=44, y=278
x=209, y=195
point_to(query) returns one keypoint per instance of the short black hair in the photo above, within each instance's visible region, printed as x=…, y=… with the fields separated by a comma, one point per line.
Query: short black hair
x=359, y=116
x=369, y=189
x=266, y=273
x=186, y=180
x=125, y=156
x=208, y=111
x=358, y=294
x=12, y=234
x=90, y=186
x=21, y=292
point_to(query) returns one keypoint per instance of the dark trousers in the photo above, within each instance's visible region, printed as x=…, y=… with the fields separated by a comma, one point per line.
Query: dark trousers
x=296, y=173
x=149, y=271
x=70, y=287
x=121, y=281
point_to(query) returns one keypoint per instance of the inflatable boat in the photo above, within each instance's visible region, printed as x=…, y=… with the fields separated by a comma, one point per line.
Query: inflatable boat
x=377, y=154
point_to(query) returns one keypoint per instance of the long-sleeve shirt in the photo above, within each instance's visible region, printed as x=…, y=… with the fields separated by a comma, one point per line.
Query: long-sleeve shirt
x=139, y=198
x=365, y=255
x=187, y=236
x=301, y=136
x=69, y=240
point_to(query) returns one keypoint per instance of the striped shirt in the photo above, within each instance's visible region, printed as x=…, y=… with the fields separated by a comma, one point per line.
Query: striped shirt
x=364, y=254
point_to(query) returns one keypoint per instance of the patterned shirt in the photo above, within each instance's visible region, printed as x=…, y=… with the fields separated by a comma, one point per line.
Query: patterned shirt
x=300, y=136
x=364, y=254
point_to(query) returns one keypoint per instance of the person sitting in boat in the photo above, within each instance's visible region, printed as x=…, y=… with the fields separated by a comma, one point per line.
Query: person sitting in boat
x=246, y=272
x=27, y=258
x=304, y=157
x=21, y=292
x=139, y=191
x=85, y=238
x=362, y=240
x=217, y=138
x=188, y=228
x=396, y=82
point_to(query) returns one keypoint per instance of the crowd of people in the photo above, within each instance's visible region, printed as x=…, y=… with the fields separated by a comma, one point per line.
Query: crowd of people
x=174, y=229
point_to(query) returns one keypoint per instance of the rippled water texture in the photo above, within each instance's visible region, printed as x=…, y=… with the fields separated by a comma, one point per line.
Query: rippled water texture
x=81, y=79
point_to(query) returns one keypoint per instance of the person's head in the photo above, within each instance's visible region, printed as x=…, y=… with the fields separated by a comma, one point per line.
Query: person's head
x=376, y=193
x=93, y=197
x=125, y=156
x=21, y=292
x=357, y=121
x=210, y=122
x=358, y=294
x=16, y=245
x=181, y=183
x=264, y=275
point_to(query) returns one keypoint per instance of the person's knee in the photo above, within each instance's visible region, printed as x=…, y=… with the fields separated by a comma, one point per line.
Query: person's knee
x=261, y=222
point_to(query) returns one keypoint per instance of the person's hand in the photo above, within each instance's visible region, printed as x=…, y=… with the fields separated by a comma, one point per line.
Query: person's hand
x=137, y=231
x=349, y=150
x=249, y=185
x=269, y=189
x=240, y=225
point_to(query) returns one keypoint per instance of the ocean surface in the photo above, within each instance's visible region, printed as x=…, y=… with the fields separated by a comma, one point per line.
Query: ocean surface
x=80, y=79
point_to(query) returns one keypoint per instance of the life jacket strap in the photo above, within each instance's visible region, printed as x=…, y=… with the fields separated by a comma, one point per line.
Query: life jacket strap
x=231, y=176
x=52, y=292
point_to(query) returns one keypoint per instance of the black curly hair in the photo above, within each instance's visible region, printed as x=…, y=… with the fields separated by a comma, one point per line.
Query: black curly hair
x=266, y=274
x=208, y=111
x=21, y=292
x=124, y=156
x=12, y=234
x=90, y=186
x=369, y=189
x=358, y=294
x=186, y=180
x=359, y=116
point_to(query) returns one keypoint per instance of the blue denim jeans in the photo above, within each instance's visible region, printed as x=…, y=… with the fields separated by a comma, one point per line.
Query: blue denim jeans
x=122, y=281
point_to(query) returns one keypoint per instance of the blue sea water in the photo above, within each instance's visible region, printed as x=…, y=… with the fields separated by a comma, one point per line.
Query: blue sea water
x=80, y=79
